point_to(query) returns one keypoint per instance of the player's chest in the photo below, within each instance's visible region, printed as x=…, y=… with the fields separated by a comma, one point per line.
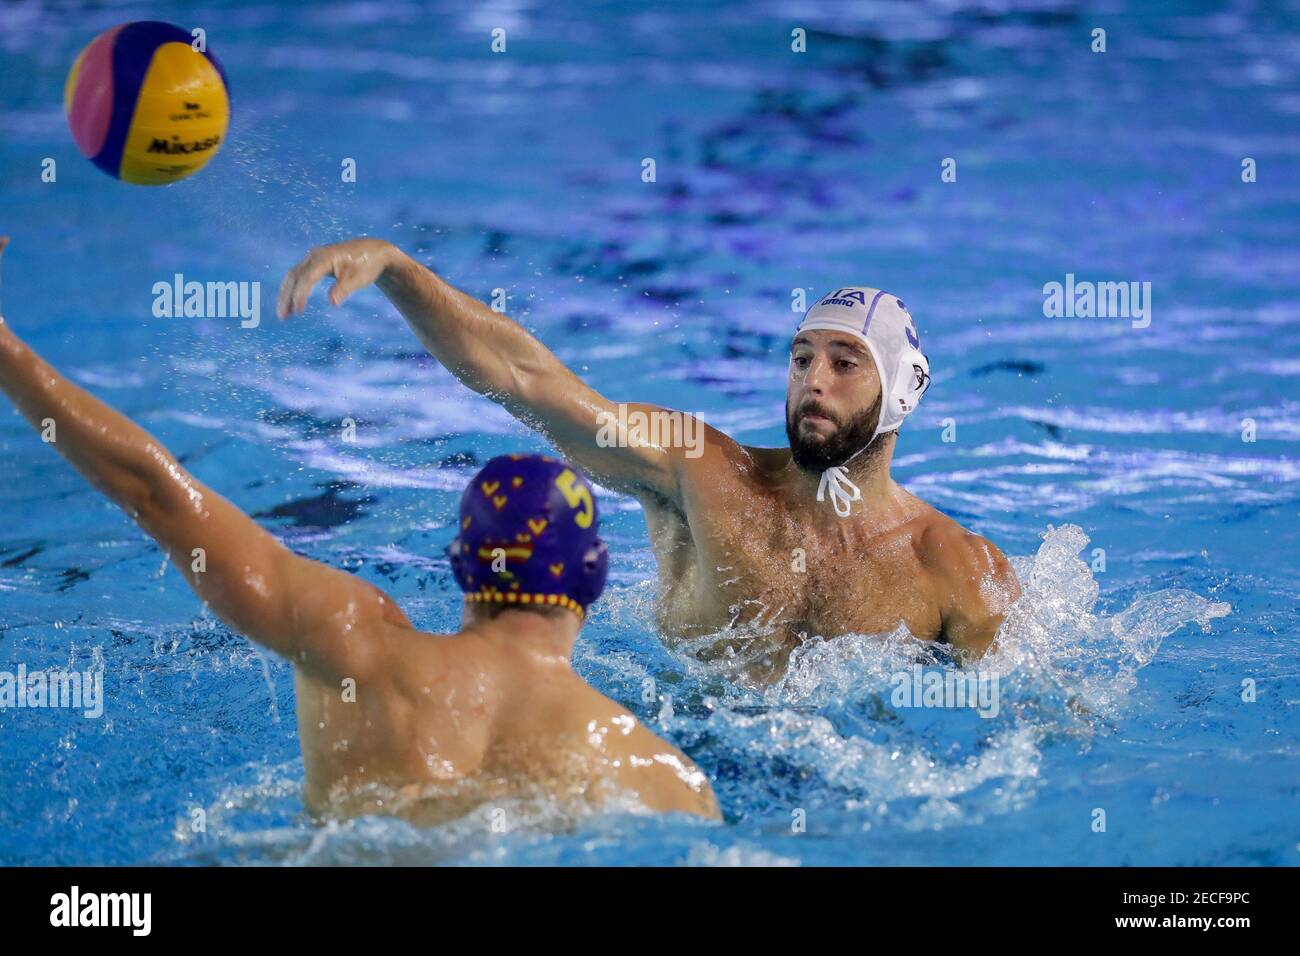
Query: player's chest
x=825, y=581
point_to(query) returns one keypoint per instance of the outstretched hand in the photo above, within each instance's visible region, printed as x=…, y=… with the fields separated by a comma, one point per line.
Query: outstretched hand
x=353, y=264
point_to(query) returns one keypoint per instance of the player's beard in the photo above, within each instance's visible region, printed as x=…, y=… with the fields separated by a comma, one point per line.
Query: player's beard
x=815, y=454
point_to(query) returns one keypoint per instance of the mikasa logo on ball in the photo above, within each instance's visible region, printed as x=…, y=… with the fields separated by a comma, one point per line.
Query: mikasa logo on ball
x=178, y=148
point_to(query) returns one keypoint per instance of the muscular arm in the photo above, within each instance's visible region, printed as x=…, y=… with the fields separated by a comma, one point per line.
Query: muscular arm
x=496, y=357
x=323, y=619
x=974, y=585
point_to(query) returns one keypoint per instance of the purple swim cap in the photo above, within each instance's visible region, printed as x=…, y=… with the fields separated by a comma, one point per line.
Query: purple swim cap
x=528, y=536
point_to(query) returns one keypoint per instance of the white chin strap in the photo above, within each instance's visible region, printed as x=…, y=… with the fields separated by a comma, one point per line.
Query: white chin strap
x=843, y=491
x=837, y=482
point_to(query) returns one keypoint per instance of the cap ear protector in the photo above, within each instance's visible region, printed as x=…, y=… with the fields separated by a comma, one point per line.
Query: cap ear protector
x=456, y=558
x=595, y=571
x=528, y=536
x=909, y=382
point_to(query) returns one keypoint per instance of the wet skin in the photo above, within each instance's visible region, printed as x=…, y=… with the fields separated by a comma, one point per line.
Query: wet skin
x=443, y=724
x=743, y=546
x=391, y=719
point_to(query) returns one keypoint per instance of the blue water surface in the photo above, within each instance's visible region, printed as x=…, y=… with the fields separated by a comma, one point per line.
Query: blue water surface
x=1144, y=479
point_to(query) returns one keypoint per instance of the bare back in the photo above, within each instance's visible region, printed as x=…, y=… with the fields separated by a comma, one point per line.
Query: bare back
x=391, y=720
x=446, y=724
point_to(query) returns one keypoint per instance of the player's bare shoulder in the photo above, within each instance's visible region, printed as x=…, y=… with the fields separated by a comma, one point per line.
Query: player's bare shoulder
x=711, y=463
x=969, y=578
x=720, y=455
x=662, y=777
x=668, y=780
x=696, y=455
x=959, y=557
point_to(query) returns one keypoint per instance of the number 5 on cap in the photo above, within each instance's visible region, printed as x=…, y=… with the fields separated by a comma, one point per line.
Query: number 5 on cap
x=576, y=495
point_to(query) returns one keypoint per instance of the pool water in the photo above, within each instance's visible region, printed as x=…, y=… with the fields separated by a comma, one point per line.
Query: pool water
x=1149, y=676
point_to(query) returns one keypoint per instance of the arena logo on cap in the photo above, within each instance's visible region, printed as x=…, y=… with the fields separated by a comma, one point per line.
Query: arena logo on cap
x=845, y=297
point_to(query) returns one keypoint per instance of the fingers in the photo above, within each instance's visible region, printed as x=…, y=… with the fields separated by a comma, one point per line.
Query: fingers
x=338, y=293
x=349, y=277
x=352, y=264
x=287, y=289
x=282, y=300
x=302, y=278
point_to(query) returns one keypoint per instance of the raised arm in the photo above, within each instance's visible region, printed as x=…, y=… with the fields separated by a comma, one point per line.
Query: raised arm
x=496, y=357
x=320, y=618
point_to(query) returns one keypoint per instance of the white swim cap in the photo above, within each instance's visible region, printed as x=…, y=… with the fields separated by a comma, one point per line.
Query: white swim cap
x=882, y=323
